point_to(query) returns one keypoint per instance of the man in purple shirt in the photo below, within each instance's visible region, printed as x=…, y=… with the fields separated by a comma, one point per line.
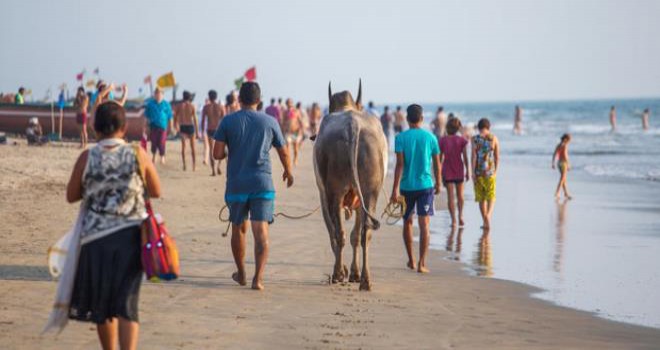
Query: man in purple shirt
x=273, y=110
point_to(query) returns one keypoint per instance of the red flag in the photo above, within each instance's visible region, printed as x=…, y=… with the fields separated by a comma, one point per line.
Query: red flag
x=147, y=79
x=251, y=74
x=79, y=76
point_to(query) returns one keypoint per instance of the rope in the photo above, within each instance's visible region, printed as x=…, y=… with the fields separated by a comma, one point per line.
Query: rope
x=394, y=211
x=282, y=214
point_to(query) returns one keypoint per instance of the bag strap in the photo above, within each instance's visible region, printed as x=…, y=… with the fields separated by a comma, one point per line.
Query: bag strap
x=141, y=171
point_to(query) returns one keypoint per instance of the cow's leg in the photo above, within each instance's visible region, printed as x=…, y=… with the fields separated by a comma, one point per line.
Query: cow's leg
x=332, y=216
x=355, y=243
x=329, y=223
x=370, y=201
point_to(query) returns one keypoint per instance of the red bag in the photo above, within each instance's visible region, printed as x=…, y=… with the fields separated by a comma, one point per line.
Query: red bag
x=160, y=257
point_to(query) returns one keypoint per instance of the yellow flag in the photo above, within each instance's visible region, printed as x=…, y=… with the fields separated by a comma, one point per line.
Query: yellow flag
x=166, y=80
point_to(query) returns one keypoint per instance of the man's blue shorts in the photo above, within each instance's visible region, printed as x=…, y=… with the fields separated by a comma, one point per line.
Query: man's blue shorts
x=421, y=200
x=260, y=207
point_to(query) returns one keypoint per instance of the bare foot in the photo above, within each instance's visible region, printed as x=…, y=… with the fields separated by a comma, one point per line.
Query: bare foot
x=238, y=278
x=422, y=269
x=205, y=162
x=411, y=265
x=257, y=285
x=461, y=223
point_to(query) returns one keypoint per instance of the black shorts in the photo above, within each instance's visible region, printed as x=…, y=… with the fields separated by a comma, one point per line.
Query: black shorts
x=187, y=129
x=455, y=182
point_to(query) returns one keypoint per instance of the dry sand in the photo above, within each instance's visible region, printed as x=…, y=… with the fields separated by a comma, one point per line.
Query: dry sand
x=299, y=310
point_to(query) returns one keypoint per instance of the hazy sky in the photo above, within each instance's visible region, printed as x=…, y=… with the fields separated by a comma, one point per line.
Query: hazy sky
x=405, y=51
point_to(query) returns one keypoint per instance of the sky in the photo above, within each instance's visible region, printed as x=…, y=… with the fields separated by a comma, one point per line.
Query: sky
x=404, y=51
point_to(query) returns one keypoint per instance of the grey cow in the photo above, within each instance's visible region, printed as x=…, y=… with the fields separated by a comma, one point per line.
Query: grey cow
x=350, y=162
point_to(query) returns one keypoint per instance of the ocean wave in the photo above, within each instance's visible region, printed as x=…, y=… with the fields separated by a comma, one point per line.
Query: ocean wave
x=616, y=171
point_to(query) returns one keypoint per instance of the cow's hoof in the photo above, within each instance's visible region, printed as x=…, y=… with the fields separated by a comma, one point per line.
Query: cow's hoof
x=338, y=277
x=365, y=286
x=354, y=277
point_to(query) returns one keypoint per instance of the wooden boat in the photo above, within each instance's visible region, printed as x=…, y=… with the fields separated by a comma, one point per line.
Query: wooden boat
x=14, y=119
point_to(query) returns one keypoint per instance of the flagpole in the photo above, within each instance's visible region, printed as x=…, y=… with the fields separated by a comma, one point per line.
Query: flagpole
x=151, y=88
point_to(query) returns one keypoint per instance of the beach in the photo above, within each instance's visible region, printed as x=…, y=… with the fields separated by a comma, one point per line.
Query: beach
x=205, y=309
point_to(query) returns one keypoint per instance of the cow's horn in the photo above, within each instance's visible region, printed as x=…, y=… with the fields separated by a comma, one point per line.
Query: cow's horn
x=329, y=91
x=359, y=96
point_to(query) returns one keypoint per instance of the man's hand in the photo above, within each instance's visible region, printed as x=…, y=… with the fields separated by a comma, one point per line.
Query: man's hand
x=288, y=178
x=467, y=177
x=437, y=188
x=395, y=197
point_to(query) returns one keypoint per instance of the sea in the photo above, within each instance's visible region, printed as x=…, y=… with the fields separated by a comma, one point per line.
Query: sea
x=599, y=252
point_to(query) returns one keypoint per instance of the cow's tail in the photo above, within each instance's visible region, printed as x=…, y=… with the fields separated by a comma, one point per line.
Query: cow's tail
x=354, y=138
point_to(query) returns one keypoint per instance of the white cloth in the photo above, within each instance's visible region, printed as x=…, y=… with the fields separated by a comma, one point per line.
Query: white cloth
x=59, y=315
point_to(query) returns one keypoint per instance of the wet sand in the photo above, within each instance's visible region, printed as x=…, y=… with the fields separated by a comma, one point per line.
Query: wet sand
x=446, y=308
x=597, y=252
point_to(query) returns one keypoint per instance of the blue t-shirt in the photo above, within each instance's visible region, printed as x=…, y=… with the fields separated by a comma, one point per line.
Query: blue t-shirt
x=249, y=136
x=418, y=147
x=158, y=114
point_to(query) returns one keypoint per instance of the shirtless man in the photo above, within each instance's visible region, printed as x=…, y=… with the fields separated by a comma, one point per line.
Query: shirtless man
x=293, y=129
x=439, y=123
x=81, y=103
x=185, y=121
x=231, y=103
x=613, y=118
x=399, y=119
x=212, y=114
x=645, y=119
x=315, y=118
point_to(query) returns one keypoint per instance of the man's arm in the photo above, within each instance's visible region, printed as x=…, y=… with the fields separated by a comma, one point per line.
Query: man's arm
x=204, y=116
x=219, y=150
x=286, y=163
x=124, y=96
x=466, y=161
x=195, y=123
x=398, y=170
x=437, y=171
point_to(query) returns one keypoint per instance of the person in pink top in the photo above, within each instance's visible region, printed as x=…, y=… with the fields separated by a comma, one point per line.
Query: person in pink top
x=453, y=155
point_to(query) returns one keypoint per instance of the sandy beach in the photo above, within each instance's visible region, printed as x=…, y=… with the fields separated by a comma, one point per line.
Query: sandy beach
x=205, y=309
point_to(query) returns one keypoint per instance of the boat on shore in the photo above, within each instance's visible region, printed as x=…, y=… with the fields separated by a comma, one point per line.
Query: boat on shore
x=14, y=119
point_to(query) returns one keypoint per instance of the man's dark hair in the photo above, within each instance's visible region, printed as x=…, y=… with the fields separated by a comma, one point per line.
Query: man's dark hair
x=398, y=108
x=299, y=104
x=453, y=126
x=387, y=108
x=371, y=104
x=229, y=99
x=110, y=117
x=187, y=96
x=415, y=113
x=272, y=101
x=213, y=95
x=250, y=93
x=81, y=89
x=279, y=100
x=440, y=109
x=21, y=90
x=484, y=123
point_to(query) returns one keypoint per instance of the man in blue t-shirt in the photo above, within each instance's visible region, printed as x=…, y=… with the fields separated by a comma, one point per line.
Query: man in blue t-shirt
x=416, y=150
x=249, y=136
x=158, y=117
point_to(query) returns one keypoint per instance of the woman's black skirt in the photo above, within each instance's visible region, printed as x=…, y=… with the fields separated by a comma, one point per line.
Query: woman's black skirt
x=108, y=278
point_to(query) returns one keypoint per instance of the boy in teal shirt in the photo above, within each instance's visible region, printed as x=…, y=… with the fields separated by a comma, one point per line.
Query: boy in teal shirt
x=416, y=149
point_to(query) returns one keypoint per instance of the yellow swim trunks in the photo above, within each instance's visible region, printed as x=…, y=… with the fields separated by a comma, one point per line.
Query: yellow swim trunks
x=484, y=188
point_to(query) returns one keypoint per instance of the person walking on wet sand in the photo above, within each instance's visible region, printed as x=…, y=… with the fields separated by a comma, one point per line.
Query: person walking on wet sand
x=249, y=136
x=485, y=162
x=185, y=121
x=560, y=158
x=212, y=114
x=158, y=118
x=454, y=158
x=416, y=152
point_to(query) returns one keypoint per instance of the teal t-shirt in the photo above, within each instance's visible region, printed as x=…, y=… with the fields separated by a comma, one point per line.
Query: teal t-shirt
x=418, y=146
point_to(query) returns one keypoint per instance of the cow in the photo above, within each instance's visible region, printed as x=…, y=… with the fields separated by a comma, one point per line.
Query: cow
x=350, y=162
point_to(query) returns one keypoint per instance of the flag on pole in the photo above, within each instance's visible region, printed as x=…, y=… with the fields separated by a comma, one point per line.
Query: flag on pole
x=147, y=79
x=79, y=76
x=166, y=80
x=238, y=82
x=251, y=74
x=96, y=71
